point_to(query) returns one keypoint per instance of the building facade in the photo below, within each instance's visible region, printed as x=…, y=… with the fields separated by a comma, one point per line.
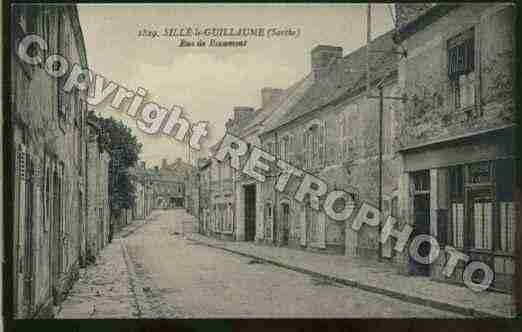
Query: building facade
x=437, y=155
x=142, y=206
x=332, y=132
x=50, y=147
x=98, y=209
x=456, y=133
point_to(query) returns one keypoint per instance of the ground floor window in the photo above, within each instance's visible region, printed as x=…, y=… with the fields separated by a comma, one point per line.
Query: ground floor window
x=481, y=212
x=229, y=217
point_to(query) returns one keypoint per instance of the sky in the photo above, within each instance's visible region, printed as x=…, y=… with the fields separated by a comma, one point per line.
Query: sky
x=209, y=81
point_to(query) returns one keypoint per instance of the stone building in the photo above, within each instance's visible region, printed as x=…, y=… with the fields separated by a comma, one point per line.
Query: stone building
x=168, y=184
x=159, y=188
x=234, y=198
x=98, y=209
x=332, y=132
x=50, y=146
x=456, y=133
x=142, y=206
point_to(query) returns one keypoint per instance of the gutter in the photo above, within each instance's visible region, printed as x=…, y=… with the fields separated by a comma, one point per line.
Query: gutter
x=422, y=21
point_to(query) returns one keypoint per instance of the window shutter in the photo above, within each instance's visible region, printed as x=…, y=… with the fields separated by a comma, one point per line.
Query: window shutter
x=305, y=150
x=292, y=149
x=321, y=146
x=461, y=54
x=303, y=225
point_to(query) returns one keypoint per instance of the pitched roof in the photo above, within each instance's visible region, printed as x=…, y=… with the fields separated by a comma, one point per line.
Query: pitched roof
x=291, y=97
x=346, y=77
x=281, y=104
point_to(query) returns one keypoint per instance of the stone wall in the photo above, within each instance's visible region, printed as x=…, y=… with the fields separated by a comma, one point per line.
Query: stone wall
x=356, y=152
x=53, y=142
x=429, y=114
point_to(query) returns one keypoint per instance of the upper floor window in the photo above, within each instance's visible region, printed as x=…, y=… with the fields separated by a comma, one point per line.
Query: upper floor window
x=270, y=147
x=314, y=145
x=285, y=148
x=461, y=68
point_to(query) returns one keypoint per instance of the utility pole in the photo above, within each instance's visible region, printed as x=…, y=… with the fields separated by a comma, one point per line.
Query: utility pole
x=381, y=98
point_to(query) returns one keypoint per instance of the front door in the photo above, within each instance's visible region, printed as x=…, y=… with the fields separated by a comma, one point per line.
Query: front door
x=250, y=212
x=421, y=205
x=285, y=224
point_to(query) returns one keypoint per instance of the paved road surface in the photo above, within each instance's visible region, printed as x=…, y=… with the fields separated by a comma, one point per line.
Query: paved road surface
x=182, y=279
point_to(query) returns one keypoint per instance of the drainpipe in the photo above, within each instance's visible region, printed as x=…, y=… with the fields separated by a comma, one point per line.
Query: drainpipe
x=276, y=198
x=381, y=106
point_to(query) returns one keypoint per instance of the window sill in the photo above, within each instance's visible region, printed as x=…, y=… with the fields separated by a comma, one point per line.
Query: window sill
x=469, y=112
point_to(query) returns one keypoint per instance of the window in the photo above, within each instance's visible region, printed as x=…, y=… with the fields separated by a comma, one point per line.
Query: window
x=479, y=205
x=314, y=146
x=270, y=147
x=456, y=196
x=285, y=147
x=347, y=131
x=481, y=210
x=461, y=67
x=421, y=180
x=229, y=217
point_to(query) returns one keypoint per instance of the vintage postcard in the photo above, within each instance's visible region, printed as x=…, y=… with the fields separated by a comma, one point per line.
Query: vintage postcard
x=329, y=160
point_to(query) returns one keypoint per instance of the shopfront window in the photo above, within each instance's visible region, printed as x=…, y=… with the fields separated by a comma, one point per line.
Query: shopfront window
x=481, y=211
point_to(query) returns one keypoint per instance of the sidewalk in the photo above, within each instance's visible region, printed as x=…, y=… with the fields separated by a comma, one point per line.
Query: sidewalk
x=373, y=276
x=107, y=289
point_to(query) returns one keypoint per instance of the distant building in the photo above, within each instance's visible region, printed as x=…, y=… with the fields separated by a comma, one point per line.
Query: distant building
x=160, y=188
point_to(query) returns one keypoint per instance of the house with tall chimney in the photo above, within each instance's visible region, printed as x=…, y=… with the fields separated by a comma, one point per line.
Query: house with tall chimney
x=332, y=132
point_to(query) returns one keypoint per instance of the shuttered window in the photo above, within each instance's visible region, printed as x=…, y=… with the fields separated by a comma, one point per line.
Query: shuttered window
x=461, y=54
x=461, y=66
x=456, y=191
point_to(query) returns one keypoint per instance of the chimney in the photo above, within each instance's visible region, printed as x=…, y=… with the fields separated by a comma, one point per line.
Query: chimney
x=164, y=163
x=242, y=112
x=229, y=124
x=322, y=57
x=268, y=95
x=406, y=12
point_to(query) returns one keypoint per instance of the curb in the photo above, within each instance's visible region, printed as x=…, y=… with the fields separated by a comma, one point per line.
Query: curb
x=136, y=287
x=466, y=311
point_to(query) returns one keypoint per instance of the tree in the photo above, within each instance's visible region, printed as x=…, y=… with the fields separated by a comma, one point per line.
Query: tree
x=124, y=148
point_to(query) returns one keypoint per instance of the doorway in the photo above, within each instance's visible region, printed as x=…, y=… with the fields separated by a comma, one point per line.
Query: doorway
x=250, y=212
x=285, y=223
x=421, y=208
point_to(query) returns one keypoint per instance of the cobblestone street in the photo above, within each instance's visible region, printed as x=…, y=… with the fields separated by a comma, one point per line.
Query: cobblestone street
x=172, y=277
